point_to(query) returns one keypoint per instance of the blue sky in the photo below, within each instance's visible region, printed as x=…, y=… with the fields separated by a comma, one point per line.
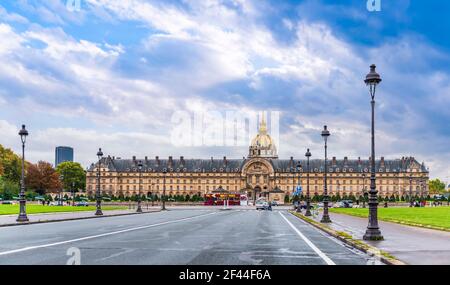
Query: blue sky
x=113, y=73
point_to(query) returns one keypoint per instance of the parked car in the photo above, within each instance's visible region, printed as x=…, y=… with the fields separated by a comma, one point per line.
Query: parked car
x=275, y=203
x=82, y=204
x=7, y=202
x=347, y=203
x=303, y=206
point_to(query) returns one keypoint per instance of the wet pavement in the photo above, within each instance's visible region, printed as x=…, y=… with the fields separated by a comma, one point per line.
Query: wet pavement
x=191, y=236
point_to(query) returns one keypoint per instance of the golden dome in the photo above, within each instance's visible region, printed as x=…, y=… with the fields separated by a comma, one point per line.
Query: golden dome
x=262, y=145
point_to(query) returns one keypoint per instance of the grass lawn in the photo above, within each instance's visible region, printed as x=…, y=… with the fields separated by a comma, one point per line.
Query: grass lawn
x=436, y=217
x=34, y=209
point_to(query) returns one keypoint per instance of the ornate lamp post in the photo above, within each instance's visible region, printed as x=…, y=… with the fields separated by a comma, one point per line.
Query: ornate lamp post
x=325, y=216
x=153, y=195
x=73, y=193
x=299, y=168
x=364, y=190
x=98, y=194
x=139, y=208
x=308, y=197
x=373, y=231
x=23, y=133
x=164, y=190
x=410, y=191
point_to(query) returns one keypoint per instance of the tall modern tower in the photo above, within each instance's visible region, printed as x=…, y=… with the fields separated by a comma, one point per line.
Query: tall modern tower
x=62, y=154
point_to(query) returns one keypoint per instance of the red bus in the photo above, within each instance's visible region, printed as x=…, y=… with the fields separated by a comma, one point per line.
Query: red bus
x=218, y=199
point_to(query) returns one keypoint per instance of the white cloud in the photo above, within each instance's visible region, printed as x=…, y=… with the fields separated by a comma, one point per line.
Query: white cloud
x=216, y=44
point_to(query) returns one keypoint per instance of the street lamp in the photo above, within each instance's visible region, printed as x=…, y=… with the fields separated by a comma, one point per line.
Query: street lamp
x=139, y=208
x=308, y=198
x=164, y=190
x=373, y=231
x=325, y=217
x=98, y=196
x=299, y=168
x=23, y=133
x=364, y=190
x=153, y=195
x=410, y=191
x=73, y=193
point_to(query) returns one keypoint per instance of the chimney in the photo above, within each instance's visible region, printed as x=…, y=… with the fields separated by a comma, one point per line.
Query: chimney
x=359, y=160
x=170, y=161
x=382, y=161
x=345, y=160
x=134, y=158
x=182, y=161
x=157, y=160
x=114, y=158
x=212, y=159
x=146, y=159
x=333, y=161
x=225, y=161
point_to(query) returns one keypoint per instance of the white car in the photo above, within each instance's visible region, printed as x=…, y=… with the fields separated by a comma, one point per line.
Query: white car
x=261, y=205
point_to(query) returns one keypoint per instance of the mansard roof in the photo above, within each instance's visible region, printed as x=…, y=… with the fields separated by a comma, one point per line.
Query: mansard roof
x=279, y=165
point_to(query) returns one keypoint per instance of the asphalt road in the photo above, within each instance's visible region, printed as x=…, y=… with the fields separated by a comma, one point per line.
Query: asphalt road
x=184, y=237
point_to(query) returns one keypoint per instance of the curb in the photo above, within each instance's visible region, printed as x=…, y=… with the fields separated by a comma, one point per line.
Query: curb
x=74, y=219
x=348, y=239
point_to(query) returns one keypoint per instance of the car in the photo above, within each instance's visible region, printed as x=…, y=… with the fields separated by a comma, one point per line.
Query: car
x=82, y=204
x=7, y=202
x=347, y=203
x=303, y=206
x=275, y=203
x=261, y=204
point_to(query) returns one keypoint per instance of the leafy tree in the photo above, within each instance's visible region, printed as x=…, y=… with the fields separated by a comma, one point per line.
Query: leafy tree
x=74, y=176
x=436, y=186
x=286, y=198
x=8, y=189
x=41, y=177
x=10, y=165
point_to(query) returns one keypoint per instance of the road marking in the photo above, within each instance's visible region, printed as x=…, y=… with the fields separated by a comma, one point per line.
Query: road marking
x=101, y=235
x=311, y=245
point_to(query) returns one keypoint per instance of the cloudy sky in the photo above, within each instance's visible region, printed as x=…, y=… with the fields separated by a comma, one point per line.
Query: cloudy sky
x=112, y=73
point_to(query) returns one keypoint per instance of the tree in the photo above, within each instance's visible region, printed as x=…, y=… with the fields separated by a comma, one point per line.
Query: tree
x=10, y=165
x=436, y=186
x=41, y=177
x=8, y=189
x=74, y=176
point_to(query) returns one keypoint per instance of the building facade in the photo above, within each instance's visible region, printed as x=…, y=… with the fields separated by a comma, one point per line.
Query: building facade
x=63, y=154
x=261, y=173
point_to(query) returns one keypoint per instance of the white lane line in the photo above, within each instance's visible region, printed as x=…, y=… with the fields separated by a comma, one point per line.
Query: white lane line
x=311, y=245
x=101, y=235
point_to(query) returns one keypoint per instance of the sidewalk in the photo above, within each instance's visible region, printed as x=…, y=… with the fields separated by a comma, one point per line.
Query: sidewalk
x=411, y=245
x=10, y=220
